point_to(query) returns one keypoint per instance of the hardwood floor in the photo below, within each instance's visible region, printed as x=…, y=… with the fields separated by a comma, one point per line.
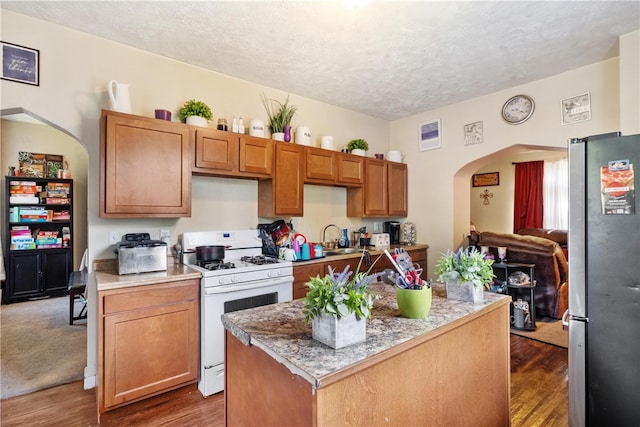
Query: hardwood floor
x=538, y=398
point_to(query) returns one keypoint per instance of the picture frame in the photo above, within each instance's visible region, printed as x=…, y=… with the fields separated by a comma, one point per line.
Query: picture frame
x=485, y=179
x=575, y=109
x=473, y=133
x=429, y=134
x=20, y=63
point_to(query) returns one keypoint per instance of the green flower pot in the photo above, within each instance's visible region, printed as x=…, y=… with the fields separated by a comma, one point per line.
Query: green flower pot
x=413, y=303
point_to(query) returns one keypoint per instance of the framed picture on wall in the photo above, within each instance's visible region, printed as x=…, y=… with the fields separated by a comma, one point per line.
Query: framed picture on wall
x=20, y=64
x=429, y=134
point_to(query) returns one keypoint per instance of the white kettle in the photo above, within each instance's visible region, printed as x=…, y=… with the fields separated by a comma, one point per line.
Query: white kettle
x=119, y=97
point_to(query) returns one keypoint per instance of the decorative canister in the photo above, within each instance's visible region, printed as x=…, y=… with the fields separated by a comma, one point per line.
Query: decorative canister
x=303, y=135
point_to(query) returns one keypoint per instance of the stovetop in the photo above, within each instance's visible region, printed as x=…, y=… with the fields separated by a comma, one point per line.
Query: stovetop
x=243, y=255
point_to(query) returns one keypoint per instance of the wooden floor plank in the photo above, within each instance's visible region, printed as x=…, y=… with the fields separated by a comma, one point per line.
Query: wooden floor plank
x=539, y=393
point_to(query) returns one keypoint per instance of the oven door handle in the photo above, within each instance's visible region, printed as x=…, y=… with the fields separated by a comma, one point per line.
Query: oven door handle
x=223, y=289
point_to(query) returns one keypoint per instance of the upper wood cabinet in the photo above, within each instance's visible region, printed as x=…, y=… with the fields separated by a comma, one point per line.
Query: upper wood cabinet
x=219, y=153
x=283, y=194
x=326, y=167
x=350, y=169
x=384, y=192
x=320, y=166
x=145, y=167
x=398, y=181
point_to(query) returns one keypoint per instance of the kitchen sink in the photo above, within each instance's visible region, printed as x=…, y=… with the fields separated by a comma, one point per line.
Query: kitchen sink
x=342, y=251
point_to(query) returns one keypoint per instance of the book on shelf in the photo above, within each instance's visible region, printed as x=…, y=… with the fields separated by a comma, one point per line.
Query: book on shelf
x=58, y=201
x=61, y=216
x=22, y=246
x=24, y=200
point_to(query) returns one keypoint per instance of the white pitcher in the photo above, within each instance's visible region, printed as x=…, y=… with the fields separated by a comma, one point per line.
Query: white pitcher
x=119, y=97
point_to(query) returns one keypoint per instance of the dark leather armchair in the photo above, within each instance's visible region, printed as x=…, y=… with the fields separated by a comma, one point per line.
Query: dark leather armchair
x=551, y=271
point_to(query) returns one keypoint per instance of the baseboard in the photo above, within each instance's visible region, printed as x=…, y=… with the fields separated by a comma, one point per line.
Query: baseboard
x=89, y=381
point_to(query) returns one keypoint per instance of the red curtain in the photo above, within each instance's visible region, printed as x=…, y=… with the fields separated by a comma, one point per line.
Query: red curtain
x=527, y=208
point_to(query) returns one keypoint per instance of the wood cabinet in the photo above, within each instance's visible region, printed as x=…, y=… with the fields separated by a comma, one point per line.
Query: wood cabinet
x=350, y=169
x=219, y=153
x=301, y=275
x=282, y=195
x=384, y=192
x=145, y=167
x=39, y=241
x=397, y=189
x=326, y=167
x=148, y=341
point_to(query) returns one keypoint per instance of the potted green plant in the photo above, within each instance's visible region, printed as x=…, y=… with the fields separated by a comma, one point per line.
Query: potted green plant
x=195, y=113
x=358, y=146
x=465, y=272
x=280, y=116
x=338, y=305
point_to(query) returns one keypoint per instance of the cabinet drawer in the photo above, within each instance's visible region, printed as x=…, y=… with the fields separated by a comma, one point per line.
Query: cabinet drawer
x=156, y=295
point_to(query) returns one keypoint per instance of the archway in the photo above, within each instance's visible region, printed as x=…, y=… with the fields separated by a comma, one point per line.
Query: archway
x=462, y=178
x=23, y=130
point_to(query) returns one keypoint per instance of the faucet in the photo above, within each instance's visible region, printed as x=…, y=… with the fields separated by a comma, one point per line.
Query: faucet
x=324, y=230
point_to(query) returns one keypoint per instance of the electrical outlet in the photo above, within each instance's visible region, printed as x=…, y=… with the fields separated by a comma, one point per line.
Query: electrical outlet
x=113, y=237
x=165, y=235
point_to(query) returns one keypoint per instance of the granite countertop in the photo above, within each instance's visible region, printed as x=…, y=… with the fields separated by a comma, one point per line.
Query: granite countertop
x=280, y=331
x=107, y=277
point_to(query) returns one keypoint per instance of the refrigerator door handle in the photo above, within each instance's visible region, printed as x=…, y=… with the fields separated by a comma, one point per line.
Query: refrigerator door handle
x=565, y=318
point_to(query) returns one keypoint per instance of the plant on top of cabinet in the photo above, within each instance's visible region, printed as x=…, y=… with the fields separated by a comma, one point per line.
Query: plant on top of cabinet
x=195, y=113
x=358, y=144
x=280, y=114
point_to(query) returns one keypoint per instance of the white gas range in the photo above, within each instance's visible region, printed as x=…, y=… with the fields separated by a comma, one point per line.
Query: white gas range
x=244, y=279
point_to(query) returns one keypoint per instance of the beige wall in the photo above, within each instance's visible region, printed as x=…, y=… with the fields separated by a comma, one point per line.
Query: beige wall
x=497, y=216
x=439, y=187
x=41, y=138
x=74, y=71
x=75, y=68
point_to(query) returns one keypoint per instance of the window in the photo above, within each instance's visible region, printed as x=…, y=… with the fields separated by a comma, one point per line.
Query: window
x=555, y=194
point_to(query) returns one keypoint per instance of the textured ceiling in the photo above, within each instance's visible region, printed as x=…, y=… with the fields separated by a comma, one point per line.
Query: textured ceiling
x=388, y=59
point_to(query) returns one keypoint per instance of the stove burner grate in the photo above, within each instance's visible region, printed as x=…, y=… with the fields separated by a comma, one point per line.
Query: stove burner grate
x=215, y=265
x=259, y=260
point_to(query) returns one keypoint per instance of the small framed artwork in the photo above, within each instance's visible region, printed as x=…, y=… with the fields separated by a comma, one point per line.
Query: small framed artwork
x=576, y=109
x=429, y=133
x=473, y=133
x=20, y=64
x=485, y=179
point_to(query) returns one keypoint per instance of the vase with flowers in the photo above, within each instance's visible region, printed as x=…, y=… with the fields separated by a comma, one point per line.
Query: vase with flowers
x=466, y=273
x=337, y=305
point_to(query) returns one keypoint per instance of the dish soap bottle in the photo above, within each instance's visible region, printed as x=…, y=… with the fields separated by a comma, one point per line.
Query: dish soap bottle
x=343, y=242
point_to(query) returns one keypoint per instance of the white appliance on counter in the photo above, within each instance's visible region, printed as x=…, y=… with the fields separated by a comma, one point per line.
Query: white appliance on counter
x=244, y=279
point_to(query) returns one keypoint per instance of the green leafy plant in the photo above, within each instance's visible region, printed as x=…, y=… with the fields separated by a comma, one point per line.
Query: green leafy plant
x=195, y=108
x=357, y=144
x=280, y=115
x=465, y=265
x=337, y=294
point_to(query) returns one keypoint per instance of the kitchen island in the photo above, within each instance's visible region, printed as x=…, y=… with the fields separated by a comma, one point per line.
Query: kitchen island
x=450, y=369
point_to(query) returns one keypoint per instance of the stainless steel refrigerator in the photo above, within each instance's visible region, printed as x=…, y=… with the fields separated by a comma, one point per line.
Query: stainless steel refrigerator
x=604, y=281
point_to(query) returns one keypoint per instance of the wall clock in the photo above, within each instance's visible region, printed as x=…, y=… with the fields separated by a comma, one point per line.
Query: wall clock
x=518, y=109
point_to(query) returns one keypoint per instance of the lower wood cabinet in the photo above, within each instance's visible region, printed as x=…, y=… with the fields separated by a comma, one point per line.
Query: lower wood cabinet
x=148, y=341
x=302, y=274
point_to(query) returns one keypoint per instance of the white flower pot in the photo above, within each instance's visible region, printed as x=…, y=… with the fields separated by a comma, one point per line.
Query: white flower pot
x=278, y=136
x=197, y=121
x=465, y=292
x=358, y=152
x=338, y=333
